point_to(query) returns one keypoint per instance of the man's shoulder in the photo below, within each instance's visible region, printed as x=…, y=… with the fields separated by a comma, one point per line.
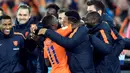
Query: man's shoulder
x=19, y=35
x=105, y=25
x=83, y=28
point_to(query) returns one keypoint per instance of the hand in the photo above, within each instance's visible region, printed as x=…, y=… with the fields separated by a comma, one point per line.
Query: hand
x=33, y=28
x=32, y=35
x=42, y=31
x=124, y=52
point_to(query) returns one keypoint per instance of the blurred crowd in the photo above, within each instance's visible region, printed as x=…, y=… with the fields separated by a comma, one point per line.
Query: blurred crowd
x=119, y=10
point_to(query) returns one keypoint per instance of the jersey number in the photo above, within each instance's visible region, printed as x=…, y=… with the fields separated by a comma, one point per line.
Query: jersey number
x=54, y=54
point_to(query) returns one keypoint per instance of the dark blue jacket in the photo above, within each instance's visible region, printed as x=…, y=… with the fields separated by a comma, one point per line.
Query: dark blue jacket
x=110, y=62
x=24, y=27
x=25, y=30
x=108, y=19
x=99, y=54
x=33, y=55
x=80, y=51
x=10, y=53
x=105, y=17
x=106, y=59
x=119, y=43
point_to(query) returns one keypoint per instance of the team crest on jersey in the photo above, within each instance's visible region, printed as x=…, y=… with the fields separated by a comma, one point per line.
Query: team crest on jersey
x=15, y=43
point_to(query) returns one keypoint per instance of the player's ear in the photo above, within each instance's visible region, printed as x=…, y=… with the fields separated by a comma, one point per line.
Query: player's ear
x=100, y=12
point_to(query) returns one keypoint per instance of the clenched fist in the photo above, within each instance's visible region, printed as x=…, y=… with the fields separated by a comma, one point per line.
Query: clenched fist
x=33, y=28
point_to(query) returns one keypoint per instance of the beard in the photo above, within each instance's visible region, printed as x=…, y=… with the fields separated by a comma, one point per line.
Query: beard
x=22, y=21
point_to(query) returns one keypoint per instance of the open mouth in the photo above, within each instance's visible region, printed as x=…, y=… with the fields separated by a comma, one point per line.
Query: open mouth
x=7, y=31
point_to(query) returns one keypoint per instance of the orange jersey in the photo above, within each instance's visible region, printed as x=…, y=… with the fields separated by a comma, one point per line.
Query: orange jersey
x=57, y=54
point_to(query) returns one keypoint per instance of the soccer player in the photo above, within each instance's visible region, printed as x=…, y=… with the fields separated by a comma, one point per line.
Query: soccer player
x=23, y=23
x=80, y=52
x=56, y=54
x=11, y=45
x=106, y=55
x=61, y=17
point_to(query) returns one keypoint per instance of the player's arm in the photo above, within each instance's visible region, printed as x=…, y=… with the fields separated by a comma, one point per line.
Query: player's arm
x=65, y=42
x=100, y=45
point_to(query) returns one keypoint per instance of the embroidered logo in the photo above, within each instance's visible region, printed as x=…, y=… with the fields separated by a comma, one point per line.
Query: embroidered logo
x=15, y=43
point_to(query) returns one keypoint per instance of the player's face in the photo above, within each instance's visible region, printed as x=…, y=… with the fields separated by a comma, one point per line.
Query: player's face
x=61, y=18
x=23, y=15
x=91, y=8
x=6, y=26
x=65, y=21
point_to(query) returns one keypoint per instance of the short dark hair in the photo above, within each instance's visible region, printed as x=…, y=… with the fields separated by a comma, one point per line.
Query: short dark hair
x=49, y=20
x=98, y=4
x=6, y=17
x=24, y=6
x=73, y=16
x=92, y=18
x=54, y=6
